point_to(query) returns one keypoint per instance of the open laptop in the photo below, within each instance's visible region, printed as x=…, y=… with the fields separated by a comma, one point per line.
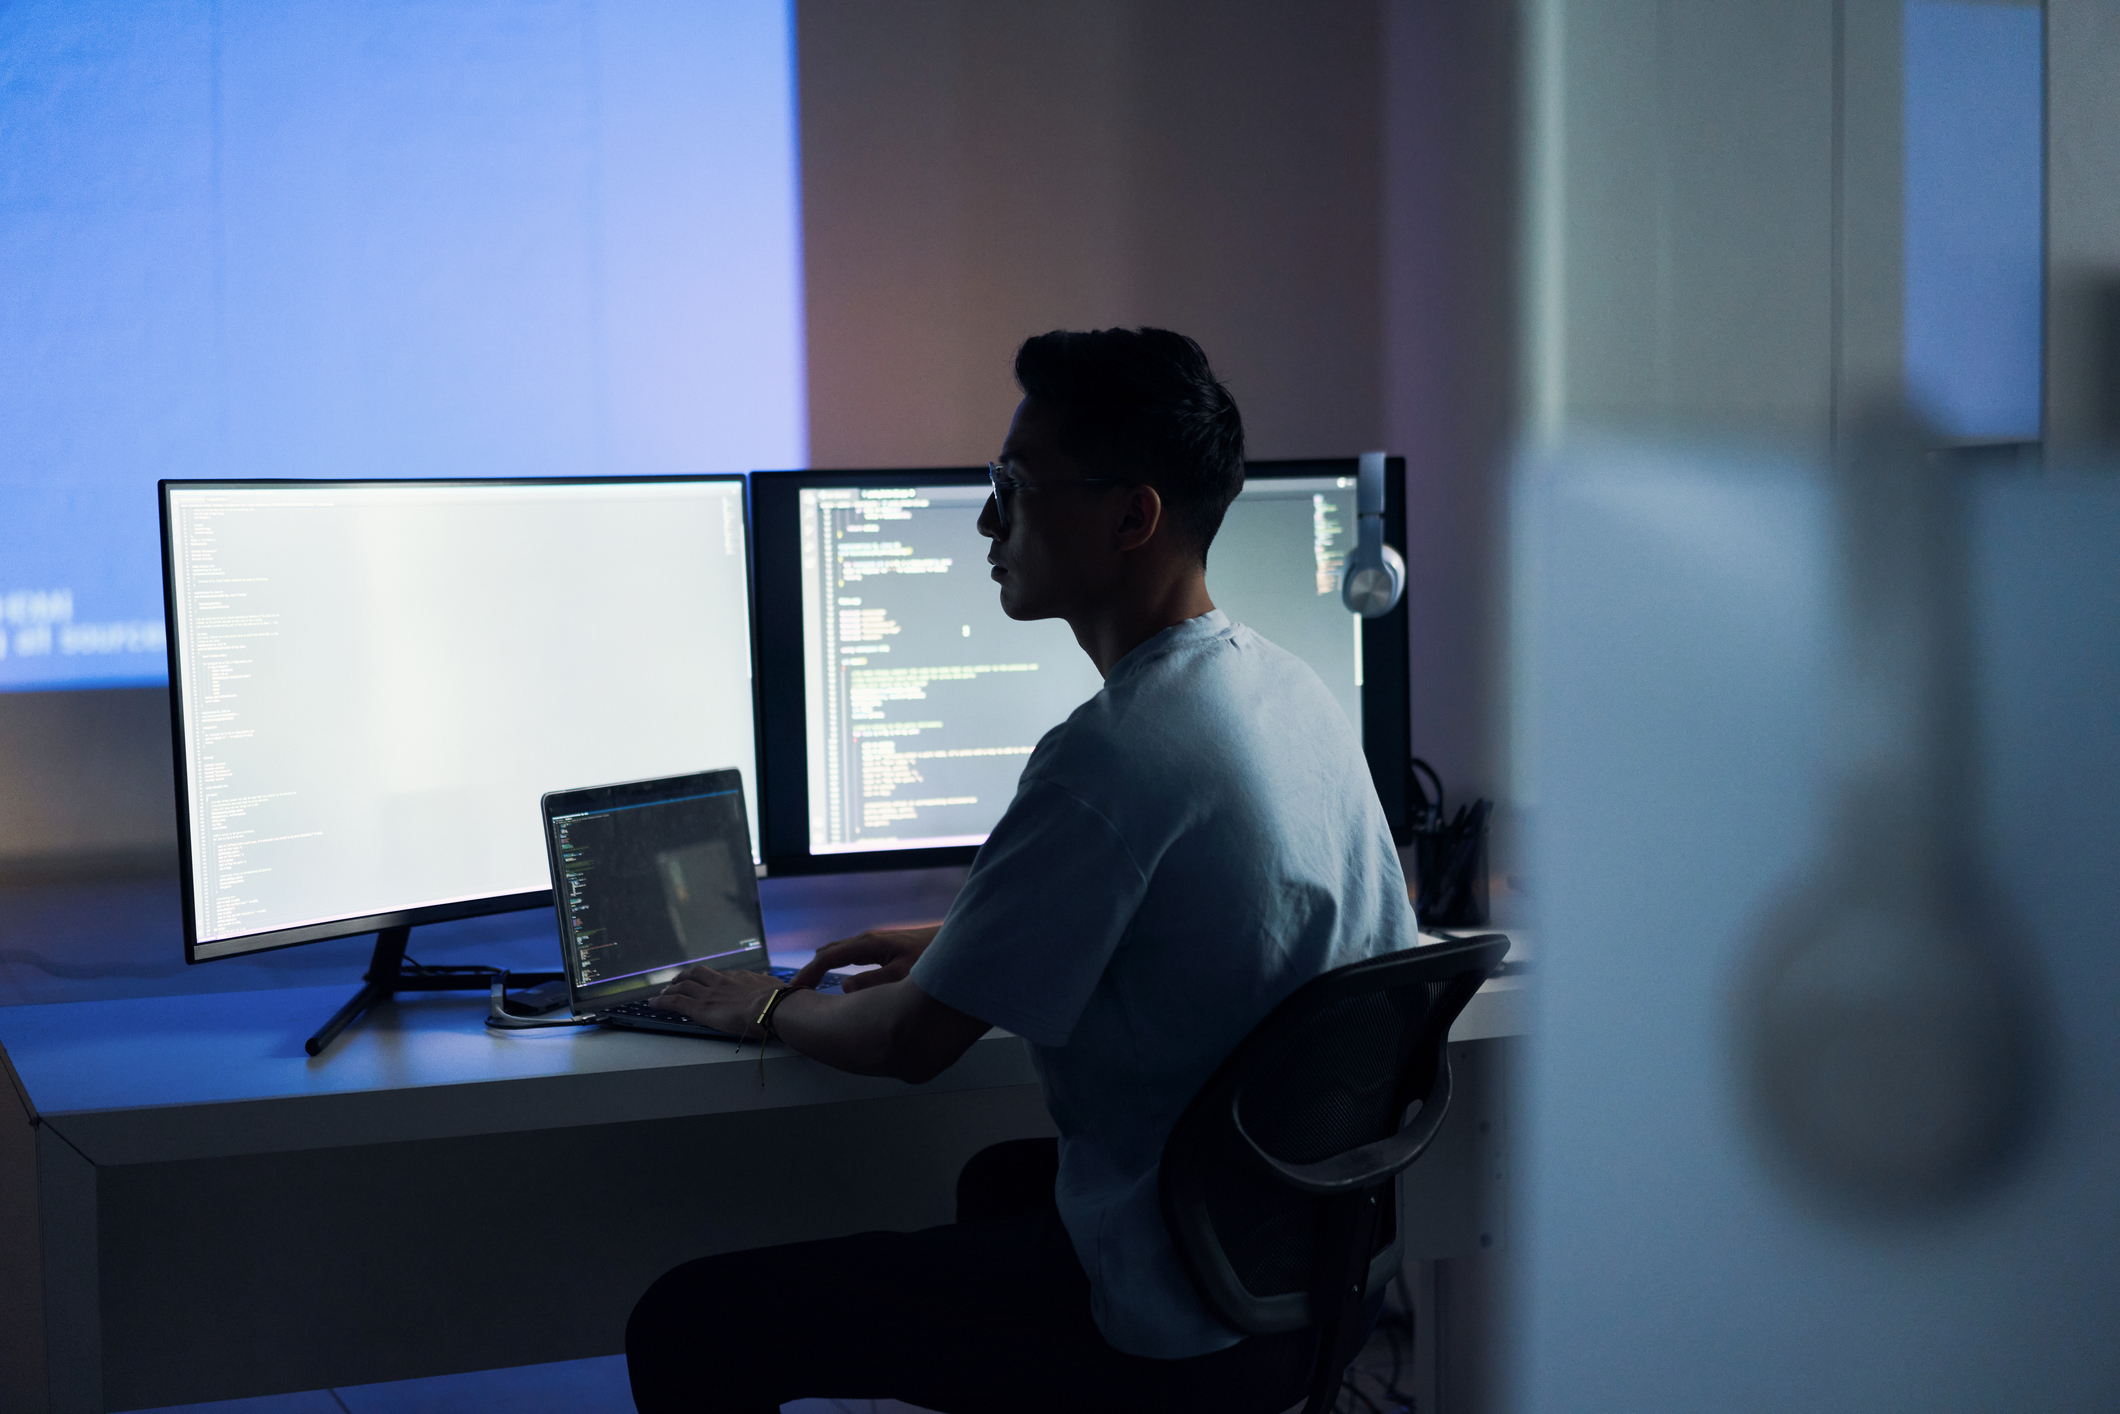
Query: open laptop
x=649, y=878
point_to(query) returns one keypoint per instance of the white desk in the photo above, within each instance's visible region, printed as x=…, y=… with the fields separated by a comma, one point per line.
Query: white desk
x=191, y=1209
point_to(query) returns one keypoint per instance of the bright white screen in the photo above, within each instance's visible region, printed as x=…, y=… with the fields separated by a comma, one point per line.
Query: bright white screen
x=379, y=682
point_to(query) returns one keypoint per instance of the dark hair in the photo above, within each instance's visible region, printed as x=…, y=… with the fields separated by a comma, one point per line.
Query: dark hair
x=1143, y=403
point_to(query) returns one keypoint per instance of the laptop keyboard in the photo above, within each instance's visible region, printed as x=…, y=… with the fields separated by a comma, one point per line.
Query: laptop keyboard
x=642, y=1011
x=645, y=1011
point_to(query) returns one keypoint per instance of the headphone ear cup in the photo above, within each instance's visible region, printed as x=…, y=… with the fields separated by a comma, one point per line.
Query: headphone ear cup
x=1373, y=590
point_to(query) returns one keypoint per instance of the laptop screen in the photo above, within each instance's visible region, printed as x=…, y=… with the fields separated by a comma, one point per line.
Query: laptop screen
x=652, y=877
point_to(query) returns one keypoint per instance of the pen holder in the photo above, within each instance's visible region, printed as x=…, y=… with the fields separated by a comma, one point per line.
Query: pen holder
x=1450, y=873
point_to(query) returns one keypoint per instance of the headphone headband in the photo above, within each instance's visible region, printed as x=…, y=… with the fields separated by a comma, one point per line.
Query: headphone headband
x=1369, y=493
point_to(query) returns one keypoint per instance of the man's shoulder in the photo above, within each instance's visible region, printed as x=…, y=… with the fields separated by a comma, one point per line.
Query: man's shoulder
x=1134, y=711
x=1212, y=707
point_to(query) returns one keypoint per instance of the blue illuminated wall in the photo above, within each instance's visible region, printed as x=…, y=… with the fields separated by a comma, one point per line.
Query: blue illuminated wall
x=356, y=238
x=1975, y=216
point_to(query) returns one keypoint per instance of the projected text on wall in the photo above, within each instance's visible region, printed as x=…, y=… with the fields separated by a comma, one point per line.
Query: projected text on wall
x=343, y=241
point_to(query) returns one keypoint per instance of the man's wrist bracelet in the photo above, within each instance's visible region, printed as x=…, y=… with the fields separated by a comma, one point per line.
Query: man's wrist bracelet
x=765, y=1013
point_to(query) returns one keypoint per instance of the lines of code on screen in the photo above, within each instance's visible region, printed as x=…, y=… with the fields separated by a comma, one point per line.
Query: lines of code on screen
x=1275, y=568
x=924, y=700
x=645, y=888
x=379, y=681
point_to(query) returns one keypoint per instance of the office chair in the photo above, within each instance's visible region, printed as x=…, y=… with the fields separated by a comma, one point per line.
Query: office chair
x=1280, y=1182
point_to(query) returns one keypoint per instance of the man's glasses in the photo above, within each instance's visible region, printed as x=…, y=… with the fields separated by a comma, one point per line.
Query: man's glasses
x=1006, y=485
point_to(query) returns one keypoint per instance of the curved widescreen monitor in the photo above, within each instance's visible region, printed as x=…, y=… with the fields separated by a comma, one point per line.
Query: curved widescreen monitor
x=899, y=703
x=374, y=683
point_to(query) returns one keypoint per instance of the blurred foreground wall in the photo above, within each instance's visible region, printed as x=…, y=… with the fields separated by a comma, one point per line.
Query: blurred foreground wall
x=2083, y=225
x=1671, y=1259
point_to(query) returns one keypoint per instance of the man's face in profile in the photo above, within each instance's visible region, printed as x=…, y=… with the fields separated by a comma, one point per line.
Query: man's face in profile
x=1059, y=553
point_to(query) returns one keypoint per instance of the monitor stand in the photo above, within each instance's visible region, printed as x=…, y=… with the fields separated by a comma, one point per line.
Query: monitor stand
x=387, y=975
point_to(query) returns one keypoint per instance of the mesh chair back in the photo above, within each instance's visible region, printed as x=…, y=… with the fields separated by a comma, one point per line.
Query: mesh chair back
x=1310, y=1108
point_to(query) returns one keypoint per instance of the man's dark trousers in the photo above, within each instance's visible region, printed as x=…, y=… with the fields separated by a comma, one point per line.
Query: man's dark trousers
x=989, y=1315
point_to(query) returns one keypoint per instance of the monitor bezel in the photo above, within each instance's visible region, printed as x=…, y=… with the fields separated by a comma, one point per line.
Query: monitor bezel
x=250, y=944
x=784, y=793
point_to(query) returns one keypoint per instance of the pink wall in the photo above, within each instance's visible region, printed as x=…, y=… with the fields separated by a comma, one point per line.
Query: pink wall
x=974, y=172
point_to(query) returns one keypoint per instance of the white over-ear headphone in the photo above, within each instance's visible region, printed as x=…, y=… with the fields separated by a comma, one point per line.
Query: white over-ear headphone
x=1375, y=576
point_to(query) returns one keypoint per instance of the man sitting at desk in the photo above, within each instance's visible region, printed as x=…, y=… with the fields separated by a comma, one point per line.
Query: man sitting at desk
x=1189, y=847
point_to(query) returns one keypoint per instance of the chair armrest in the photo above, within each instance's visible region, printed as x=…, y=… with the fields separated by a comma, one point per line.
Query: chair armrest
x=1363, y=1167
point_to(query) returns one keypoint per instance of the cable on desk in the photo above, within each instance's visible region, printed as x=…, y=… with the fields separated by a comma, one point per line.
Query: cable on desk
x=501, y=1019
x=414, y=967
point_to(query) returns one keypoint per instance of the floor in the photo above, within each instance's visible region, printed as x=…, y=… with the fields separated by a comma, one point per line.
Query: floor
x=569, y=1387
x=1376, y=1385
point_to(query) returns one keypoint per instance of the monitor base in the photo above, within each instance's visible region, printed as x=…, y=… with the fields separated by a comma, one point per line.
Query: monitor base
x=388, y=975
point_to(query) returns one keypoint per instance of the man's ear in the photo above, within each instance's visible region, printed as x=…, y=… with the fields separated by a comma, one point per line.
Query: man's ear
x=1142, y=514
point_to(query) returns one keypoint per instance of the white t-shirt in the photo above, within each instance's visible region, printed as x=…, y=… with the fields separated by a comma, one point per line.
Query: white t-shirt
x=1190, y=846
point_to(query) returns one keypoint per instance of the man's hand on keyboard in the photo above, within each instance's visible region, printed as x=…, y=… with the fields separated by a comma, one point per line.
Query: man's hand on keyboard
x=725, y=1000
x=895, y=950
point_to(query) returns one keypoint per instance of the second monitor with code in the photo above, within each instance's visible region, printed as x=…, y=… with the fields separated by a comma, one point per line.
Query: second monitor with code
x=901, y=704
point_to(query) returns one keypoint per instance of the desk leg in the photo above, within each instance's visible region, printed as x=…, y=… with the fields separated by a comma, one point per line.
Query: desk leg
x=1425, y=1384
x=21, y=1258
x=1455, y=1207
x=73, y=1316
x=1466, y=1336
